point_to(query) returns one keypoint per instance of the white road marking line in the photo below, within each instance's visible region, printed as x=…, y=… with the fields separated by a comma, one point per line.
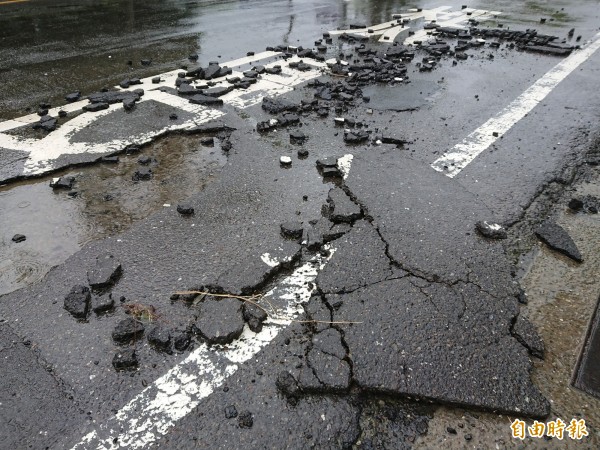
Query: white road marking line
x=150, y=414
x=455, y=160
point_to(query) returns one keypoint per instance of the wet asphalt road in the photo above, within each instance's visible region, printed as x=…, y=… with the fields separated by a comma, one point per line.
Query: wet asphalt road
x=412, y=261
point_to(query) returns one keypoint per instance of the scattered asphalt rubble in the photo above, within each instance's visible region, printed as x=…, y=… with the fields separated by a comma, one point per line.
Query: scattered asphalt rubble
x=447, y=329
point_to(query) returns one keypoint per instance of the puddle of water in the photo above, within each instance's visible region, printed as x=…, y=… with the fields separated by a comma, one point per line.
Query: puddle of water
x=402, y=97
x=108, y=202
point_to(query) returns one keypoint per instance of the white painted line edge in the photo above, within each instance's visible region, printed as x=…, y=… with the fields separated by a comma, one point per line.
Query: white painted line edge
x=454, y=161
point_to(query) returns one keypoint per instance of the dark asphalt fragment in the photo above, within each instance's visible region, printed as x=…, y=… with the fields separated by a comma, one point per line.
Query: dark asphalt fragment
x=491, y=230
x=125, y=359
x=160, y=338
x=105, y=272
x=220, y=321
x=182, y=341
x=231, y=412
x=142, y=174
x=95, y=107
x=127, y=330
x=201, y=99
x=102, y=303
x=62, y=182
x=558, y=239
x=292, y=230
x=341, y=207
x=254, y=316
x=73, y=97
x=245, y=419
x=77, y=301
x=185, y=209
x=19, y=238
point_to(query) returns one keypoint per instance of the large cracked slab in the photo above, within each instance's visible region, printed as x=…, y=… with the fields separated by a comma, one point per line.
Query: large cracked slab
x=442, y=332
x=427, y=221
x=446, y=344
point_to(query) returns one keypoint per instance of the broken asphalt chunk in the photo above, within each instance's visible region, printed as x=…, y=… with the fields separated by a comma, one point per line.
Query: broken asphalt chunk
x=558, y=239
x=127, y=330
x=73, y=97
x=254, y=316
x=276, y=106
x=102, y=303
x=95, y=107
x=185, y=210
x=125, y=359
x=182, y=341
x=18, y=238
x=245, y=419
x=77, y=301
x=292, y=230
x=143, y=173
x=220, y=321
x=231, y=412
x=160, y=338
x=491, y=230
x=62, y=182
x=341, y=207
x=105, y=272
x=201, y=99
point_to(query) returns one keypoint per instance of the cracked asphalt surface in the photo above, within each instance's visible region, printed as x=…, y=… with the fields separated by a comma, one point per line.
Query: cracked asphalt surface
x=413, y=311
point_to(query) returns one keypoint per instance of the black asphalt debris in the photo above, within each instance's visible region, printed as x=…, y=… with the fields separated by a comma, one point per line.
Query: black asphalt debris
x=103, y=303
x=220, y=321
x=184, y=209
x=245, y=419
x=77, y=301
x=558, y=239
x=125, y=359
x=65, y=182
x=231, y=412
x=19, y=238
x=160, y=338
x=254, y=315
x=127, y=330
x=105, y=272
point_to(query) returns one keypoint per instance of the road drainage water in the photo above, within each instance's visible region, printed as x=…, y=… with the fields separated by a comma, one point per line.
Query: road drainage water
x=108, y=202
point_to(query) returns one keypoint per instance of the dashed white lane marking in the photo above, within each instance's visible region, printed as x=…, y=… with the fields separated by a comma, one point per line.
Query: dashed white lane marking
x=150, y=415
x=455, y=160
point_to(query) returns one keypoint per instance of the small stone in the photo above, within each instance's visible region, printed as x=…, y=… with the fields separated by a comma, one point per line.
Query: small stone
x=285, y=161
x=182, y=341
x=302, y=153
x=144, y=160
x=105, y=272
x=125, y=359
x=254, y=316
x=77, y=301
x=127, y=330
x=491, y=230
x=575, y=204
x=62, y=114
x=62, y=182
x=468, y=437
x=110, y=159
x=185, y=209
x=18, y=238
x=102, y=303
x=73, y=97
x=245, y=419
x=145, y=62
x=297, y=137
x=342, y=208
x=207, y=141
x=160, y=338
x=142, y=174
x=451, y=430
x=231, y=412
x=156, y=80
